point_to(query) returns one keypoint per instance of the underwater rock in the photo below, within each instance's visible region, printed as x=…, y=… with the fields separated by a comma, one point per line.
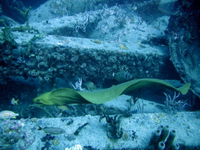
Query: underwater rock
x=97, y=61
x=75, y=58
x=75, y=147
x=54, y=8
x=70, y=56
x=18, y=51
x=10, y=9
x=183, y=40
x=138, y=131
x=166, y=7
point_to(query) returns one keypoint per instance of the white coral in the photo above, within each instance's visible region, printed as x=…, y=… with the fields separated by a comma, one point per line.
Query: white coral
x=78, y=85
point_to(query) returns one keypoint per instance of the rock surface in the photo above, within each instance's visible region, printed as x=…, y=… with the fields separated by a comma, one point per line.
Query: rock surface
x=93, y=45
x=138, y=131
x=183, y=35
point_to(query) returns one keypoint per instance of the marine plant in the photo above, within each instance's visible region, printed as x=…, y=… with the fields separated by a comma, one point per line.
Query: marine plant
x=7, y=35
x=113, y=128
x=172, y=104
x=25, y=13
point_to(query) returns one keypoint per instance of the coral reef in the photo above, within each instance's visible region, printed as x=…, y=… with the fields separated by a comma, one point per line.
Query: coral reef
x=113, y=128
x=14, y=135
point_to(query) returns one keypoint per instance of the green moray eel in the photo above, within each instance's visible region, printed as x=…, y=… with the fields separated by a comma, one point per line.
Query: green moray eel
x=65, y=96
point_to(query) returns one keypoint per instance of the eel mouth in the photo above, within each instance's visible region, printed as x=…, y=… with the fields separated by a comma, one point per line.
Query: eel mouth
x=37, y=101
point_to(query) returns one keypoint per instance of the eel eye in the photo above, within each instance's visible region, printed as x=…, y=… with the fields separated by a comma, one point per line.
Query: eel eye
x=38, y=100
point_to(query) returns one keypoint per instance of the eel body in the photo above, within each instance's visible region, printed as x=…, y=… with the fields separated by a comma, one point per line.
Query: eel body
x=65, y=96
